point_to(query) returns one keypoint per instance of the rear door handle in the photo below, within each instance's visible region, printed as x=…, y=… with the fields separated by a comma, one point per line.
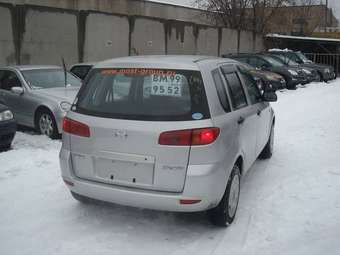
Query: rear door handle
x=240, y=120
x=259, y=112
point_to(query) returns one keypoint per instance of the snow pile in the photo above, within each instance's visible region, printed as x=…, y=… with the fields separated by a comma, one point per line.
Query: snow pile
x=279, y=50
x=289, y=204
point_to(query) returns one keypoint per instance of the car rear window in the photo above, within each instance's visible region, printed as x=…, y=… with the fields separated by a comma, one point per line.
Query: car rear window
x=144, y=94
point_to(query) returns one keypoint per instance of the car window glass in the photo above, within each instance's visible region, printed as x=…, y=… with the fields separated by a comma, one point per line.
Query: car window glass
x=235, y=89
x=253, y=62
x=260, y=62
x=49, y=78
x=8, y=80
x=221, y=92
x=241, y=59
x=144, y=94
x=251, y=86
x=80, y=71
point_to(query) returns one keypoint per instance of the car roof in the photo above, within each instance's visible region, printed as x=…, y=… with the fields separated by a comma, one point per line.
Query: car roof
x=188, y=62
x=84, y=64
x=32, y=67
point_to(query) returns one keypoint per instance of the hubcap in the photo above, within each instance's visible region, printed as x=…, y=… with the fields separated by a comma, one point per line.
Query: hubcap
x=46, y=124
x=234, y=195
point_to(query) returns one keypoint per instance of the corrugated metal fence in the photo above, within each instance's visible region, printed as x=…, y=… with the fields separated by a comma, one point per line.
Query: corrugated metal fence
x=328, y=59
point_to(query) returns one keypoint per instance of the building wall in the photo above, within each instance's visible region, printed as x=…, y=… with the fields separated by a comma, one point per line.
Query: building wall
x=101, y=40
x=181, y=39
x=126, y=7
x=147, y=37
x=48, y=37
x=32, y=34
x=7, y=51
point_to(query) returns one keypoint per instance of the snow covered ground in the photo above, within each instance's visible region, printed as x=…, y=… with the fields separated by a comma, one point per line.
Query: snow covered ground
x=289, y=204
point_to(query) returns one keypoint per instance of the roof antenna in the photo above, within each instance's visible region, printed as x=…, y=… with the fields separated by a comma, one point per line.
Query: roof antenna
x=65, y=71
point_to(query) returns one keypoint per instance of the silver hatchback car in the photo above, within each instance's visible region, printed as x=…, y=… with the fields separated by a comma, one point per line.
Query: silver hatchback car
x=39, y=96
x=171, y=133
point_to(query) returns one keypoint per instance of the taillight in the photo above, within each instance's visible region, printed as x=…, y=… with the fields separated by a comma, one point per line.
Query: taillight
x=200, y=136
x=204, y=136
x=75, y=128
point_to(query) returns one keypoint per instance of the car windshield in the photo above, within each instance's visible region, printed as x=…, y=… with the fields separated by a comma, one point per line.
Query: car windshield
x=49, y=78
x=247, y=66
x=273, y=61
x=144, y=94
x=303, y=57
x=286, y=60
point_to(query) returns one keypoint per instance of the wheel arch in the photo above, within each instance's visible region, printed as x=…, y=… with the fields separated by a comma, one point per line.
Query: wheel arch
x=40, y=109
x=239, y=163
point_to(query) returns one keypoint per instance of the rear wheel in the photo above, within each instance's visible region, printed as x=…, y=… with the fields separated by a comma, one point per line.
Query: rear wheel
x=267, y=151
x=46, y=124
x=224, y=213
x=289, y=85
x=318, y=77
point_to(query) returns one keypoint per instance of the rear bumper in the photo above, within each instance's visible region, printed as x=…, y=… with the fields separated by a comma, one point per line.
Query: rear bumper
x=7, y=132
x=204, y=182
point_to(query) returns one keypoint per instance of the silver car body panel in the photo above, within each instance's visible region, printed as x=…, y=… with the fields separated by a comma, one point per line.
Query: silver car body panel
x=25, y=106
x=167, y=173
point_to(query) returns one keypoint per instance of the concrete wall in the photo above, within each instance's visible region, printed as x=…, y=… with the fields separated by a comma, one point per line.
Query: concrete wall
x=181, y=39
x=106, y=36
x=32, y=34
x=246, y=42
x=147, y=37
x=207, y=41
x=7, y=51
x=228, y=41
x=125, y=7
x=49, y=36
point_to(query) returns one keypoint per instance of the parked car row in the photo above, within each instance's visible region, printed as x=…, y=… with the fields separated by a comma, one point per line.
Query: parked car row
x=293, y=67
x=40, y=96
x=172, y=133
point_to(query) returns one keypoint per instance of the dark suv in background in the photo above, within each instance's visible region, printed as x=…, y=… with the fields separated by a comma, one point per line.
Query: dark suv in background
x=326, y=72
x=292, y=75
x=311, y=74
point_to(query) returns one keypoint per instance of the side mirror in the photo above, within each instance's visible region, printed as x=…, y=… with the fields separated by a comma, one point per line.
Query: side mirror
x=269, y=96
x=17, y=90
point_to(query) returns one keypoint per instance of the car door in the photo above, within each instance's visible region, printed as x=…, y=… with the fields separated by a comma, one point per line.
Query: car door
x=8, y=80
x=262, y=109
x=247, y=114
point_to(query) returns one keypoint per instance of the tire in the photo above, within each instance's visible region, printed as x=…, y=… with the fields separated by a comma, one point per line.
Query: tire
x=224, y=213
x=288, y=85
x=318, y=77
x=267, y=151
x=46, y=124
x=5, y=147
x=80, y=198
